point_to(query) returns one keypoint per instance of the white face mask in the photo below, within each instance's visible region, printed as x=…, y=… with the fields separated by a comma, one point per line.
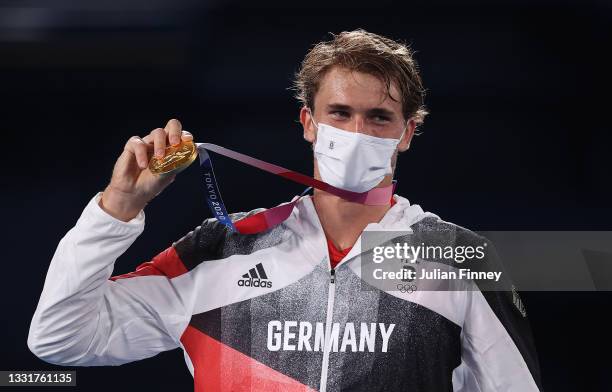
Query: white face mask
x=350, y=160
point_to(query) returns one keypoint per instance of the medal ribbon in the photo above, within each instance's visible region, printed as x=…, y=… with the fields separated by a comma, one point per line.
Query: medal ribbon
x=273, y=216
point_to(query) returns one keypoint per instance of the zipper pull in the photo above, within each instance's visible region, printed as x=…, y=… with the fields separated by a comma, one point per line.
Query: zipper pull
x=333, y=275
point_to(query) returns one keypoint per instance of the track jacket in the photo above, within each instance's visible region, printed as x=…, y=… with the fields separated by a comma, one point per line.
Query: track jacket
x=251, y=312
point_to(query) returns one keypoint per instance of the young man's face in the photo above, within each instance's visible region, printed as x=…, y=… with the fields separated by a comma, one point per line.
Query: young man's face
x=357, y=102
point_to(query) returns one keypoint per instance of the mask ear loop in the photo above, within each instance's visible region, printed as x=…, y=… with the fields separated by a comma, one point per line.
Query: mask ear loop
x=305, y=192
x=312, y=119
x=406, y=128
x=403, y=132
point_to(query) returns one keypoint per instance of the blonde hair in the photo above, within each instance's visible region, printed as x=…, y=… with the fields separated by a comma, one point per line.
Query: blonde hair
x=362, y=51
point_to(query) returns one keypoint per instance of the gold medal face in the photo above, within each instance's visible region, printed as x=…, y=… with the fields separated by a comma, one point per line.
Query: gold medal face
x=175, y=159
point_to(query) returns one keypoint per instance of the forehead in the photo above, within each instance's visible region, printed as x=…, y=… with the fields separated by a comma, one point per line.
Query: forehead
x=357, y=89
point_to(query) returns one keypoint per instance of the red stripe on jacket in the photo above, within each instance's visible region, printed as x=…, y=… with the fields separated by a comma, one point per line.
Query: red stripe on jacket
x=167, y=263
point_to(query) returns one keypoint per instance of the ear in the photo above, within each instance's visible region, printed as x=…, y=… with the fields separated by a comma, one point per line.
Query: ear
x=310, y=132
x=404, y=144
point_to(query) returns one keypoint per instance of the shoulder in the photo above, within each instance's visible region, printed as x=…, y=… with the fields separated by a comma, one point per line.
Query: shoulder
x=212, y=240
x=457, y=246
x=441, y=230
x=429, y=226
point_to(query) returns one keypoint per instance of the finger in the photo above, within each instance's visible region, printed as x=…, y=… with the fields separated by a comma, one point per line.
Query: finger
x=138, y=148
x=149, y=143
x=159, y=142
x=186, y=136
x=149, y=138
x=173, y=129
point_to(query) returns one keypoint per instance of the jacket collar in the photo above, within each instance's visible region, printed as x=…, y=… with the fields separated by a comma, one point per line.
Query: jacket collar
x=304, y=222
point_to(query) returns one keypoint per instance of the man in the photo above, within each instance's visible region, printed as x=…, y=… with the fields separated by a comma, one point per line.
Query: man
x=286, y=309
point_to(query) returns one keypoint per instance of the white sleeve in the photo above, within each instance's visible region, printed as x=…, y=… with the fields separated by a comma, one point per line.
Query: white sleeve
x=497, y=352
x=85, y=319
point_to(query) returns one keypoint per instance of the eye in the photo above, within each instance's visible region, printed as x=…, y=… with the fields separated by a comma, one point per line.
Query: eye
x=381, y=119
x=340, y=114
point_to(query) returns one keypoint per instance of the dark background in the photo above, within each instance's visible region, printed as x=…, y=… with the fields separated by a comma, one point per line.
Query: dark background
x=518, y=137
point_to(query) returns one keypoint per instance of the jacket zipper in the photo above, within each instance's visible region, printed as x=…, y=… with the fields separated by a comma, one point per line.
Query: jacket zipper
x=328, y=327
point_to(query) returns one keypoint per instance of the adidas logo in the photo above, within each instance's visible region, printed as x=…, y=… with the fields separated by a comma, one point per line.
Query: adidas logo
x=256, y=277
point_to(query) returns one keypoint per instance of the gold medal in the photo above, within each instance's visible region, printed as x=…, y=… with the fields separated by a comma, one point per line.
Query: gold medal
x=175, y=159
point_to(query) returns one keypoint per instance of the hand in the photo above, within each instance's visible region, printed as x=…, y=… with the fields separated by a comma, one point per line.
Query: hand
x=132, y=184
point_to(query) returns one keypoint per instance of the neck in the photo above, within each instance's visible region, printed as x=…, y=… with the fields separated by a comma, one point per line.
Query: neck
x=343, y=221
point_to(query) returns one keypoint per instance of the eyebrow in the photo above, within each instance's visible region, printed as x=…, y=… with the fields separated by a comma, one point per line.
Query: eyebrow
x=372, y=112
